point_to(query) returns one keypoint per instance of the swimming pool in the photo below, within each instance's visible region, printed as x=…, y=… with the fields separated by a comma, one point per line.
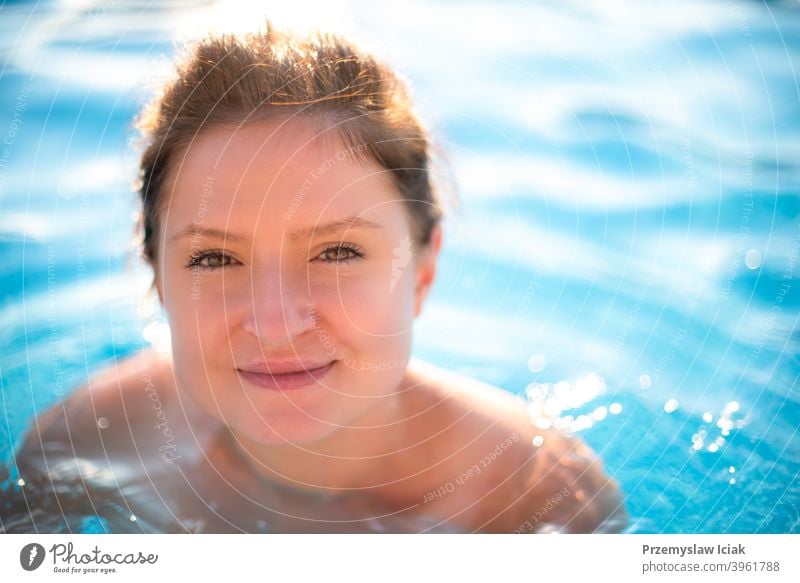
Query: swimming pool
x=626, y=254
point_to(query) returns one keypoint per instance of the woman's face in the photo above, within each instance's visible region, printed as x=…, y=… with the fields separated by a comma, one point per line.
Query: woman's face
x=282, y=249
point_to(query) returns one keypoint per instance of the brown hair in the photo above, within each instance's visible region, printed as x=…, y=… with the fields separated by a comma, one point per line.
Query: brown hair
x=229, y=78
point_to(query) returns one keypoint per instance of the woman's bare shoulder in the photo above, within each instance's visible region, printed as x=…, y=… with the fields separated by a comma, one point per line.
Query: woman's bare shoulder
x=470, y=406
x=112, y=401
x=512, y=475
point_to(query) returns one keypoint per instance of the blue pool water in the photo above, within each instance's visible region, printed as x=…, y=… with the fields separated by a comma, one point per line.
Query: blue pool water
x=626, y=253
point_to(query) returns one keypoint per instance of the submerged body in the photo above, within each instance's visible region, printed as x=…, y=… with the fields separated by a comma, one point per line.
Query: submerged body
x=134, y=450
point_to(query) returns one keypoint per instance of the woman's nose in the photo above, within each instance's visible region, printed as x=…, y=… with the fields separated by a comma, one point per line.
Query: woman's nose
x=280, y=308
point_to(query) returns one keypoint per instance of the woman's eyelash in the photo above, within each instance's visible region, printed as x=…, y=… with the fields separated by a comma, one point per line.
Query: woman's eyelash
x=334, y=253
x=217, y=259
x=210, y=259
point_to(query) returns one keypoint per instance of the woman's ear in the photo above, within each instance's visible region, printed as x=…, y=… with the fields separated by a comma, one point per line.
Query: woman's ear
x=426, y=268
x=160, y=294
x=157, y=285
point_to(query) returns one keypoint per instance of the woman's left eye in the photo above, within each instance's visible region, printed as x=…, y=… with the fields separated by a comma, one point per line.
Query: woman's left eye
x=341, y=253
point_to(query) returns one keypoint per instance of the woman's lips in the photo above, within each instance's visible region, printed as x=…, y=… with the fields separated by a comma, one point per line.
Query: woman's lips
x=288, y=380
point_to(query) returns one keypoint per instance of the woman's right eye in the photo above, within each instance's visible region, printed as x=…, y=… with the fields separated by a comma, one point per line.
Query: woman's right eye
x=210, y=260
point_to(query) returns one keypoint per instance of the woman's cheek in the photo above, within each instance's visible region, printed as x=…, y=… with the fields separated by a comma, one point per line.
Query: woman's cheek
x=195, y=310
x=369, y=306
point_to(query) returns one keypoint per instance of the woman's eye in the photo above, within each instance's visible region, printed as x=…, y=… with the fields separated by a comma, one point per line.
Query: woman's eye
x=341, y=254
x=210, y=260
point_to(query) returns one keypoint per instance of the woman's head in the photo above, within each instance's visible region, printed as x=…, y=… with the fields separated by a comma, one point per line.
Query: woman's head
x=290, y=216
x=322, y=78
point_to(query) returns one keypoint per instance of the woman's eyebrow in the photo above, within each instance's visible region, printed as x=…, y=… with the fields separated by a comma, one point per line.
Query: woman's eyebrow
x=198, y=231
x=351, y=222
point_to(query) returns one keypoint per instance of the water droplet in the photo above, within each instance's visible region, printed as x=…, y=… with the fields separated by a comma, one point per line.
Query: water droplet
x=581, y=422
x=600, y=413
x=752, y=259
x=615, y=408
x=563, y=422
x=552, y=408
x=538, y=440
x=713, y=447
x=645, y=382
x=537, y=362
x=535, y=391
x=133, y=518
x=731, y=469
x=708, y=417
x=20, y=482
x=671, y=405
x=561, y=389
x=731, y=407
x=732, y=481
x=102, y=423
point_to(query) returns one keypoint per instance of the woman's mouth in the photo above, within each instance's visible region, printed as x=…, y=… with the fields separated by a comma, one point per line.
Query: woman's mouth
x=283, y=377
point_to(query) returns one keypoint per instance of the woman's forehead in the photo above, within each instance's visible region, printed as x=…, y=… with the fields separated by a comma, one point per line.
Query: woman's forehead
x=281, y=168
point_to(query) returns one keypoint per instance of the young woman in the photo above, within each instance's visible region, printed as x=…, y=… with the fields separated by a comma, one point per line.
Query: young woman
x=293, y=225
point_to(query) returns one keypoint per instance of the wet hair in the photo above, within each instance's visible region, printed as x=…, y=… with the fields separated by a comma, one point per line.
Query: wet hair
x=228, y=79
